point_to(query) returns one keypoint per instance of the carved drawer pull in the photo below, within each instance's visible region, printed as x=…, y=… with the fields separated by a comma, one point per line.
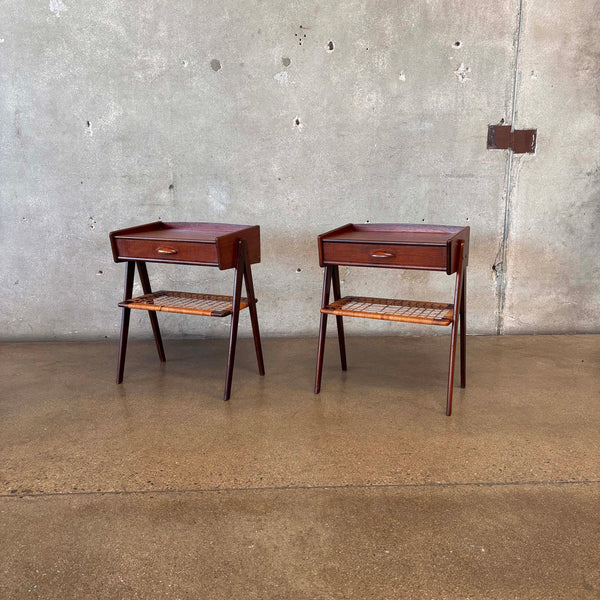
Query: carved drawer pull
x=381, y=254
x=166, y=250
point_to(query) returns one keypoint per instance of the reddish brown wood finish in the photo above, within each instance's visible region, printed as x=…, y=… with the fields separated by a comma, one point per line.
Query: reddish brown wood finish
x=129, y=275
x=429, y=247
x=337, y=294
x=227, y=247
x=463, y=331
x=385, y=255
x=143, y=273
x=253, y=316
x=235, y=316
x=327, y=275
x=402, y=246
x=209, y=244
x=458, y=289
x=175, y=252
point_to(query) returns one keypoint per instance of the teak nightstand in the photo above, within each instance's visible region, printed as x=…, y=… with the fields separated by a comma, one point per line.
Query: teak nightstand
x=205, y=244
x=423, y=247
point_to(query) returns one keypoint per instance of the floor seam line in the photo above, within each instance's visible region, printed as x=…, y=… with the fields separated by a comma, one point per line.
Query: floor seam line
x=547, y=483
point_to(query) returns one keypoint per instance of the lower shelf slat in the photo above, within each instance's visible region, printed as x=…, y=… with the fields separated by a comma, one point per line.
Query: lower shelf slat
x=408, y=311
x=207, y=305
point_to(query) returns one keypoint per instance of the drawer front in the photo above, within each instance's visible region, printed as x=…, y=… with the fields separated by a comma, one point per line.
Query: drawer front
x=377, y=255
x=167, y=251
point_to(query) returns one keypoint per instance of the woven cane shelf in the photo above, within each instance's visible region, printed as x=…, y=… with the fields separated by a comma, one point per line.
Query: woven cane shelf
x=208, y=305
x=409, y=311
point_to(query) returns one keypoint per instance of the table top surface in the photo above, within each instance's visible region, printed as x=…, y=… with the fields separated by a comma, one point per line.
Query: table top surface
x=183, y=232
x=390, y=233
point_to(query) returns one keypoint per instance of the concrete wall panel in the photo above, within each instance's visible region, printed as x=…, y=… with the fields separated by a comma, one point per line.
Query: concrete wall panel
x=553, y=264
x=116, y=113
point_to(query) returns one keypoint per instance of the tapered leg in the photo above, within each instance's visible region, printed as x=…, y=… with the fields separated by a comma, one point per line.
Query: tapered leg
x=451, y=369
x=129, y=273
x=463, y=332
x=322, y=327
x=337, y=294
x=235, y=317
x=253, y=314
x=457, y=310
x=143, y=272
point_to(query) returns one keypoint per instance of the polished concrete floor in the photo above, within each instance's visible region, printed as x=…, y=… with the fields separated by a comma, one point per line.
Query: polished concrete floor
x=158, y=489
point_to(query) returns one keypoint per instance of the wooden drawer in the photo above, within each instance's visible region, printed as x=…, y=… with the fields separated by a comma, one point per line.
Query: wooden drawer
x=386, y=255
x=167, y=251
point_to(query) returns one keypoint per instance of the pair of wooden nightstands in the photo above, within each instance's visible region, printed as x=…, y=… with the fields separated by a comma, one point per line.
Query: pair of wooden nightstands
x=424, y=247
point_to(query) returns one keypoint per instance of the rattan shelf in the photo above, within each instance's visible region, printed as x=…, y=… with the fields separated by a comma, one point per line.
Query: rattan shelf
x=408, y=311
x=188, y=303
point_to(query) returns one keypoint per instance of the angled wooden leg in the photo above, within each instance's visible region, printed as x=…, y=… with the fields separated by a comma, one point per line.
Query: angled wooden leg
x=129, y=273
x=451, y=368
x=457, y=307
x=253, y=314
x=463, y=332
x=235, y=316
x=339, y=319
x=143, y=272
x=323, y=327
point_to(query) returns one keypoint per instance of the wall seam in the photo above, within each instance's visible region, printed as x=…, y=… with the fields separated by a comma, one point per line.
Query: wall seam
x=500, y=264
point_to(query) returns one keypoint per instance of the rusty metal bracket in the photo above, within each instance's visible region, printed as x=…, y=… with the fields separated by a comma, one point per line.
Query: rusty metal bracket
x=520, y=141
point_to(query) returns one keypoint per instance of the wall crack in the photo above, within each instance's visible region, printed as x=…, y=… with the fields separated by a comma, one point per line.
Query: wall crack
x=499, y=268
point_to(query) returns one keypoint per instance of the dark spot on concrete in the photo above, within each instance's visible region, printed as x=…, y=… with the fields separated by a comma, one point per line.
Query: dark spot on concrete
x=171, y=186
x=215, y=65
x=100, y=272
x=300, y=26
x=286, y=61
x=297, y=122
x=17, y=123
x=16, y=282
x=457, y=44
x=298, y=270
x=88, y=124
x=82, y=183
x=330, y=46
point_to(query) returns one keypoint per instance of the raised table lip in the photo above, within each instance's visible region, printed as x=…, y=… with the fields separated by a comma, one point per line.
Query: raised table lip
x=195, y=232
x=390, y=233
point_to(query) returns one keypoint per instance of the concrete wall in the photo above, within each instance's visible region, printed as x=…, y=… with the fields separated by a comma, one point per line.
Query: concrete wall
x=116, y=113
